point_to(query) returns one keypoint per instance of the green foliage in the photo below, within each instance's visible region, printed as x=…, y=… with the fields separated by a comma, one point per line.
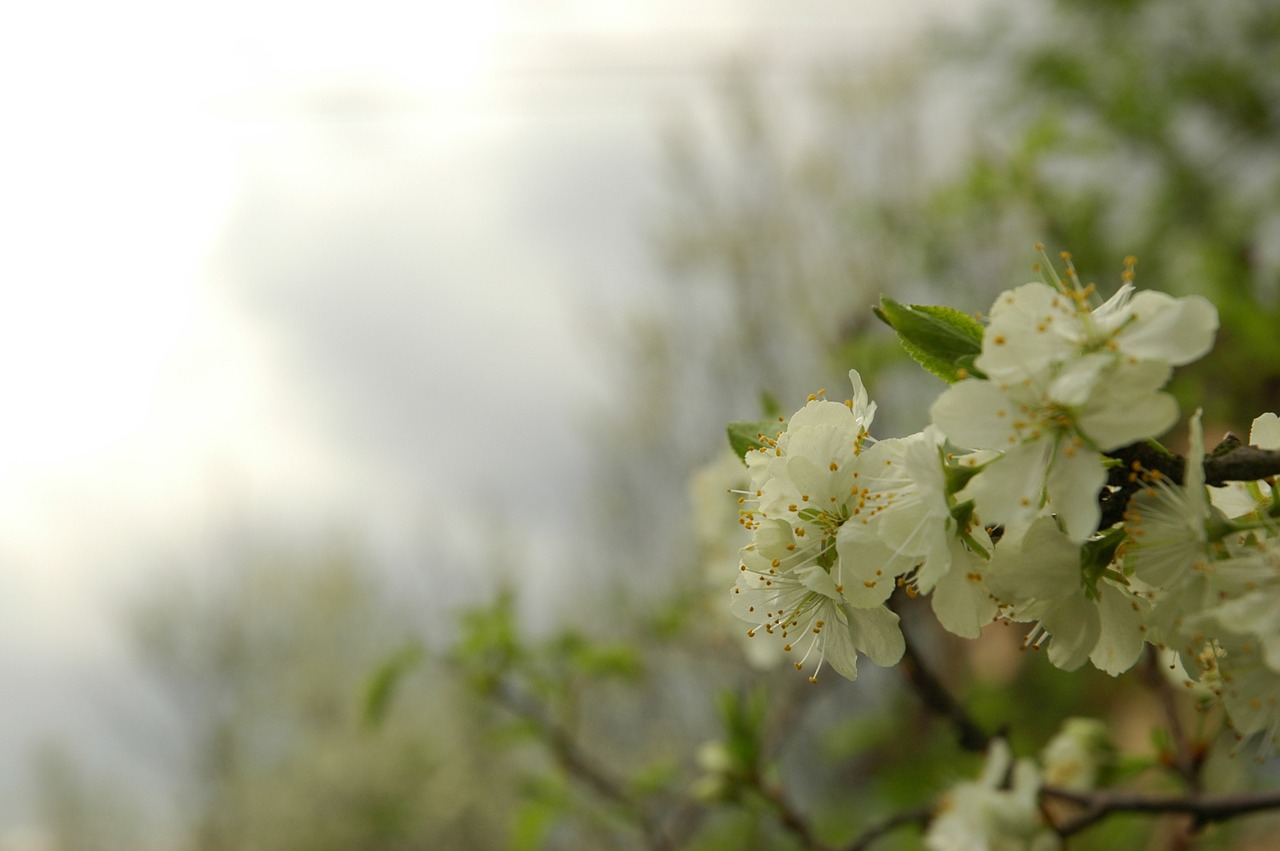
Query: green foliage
x=743, y=717
x=386, y=679
x=83, y=812
x=746, y=436
x=271, y=674
x=1129, y=127
x=941, y=339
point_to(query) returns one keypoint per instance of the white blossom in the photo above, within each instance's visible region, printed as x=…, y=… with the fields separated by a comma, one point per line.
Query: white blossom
x=1052, y=432
x=792, y=581
x=1041, y=580
x=1038, y=326
x=1066, y=381
x=1077, y=754
x=987, y=815
x=903, y=524
x=804, y=610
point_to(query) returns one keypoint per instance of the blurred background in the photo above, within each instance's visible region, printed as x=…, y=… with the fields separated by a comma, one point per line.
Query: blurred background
x=365, y=374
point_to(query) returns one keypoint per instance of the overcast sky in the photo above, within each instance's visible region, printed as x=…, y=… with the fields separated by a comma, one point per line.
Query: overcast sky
x=293, y=266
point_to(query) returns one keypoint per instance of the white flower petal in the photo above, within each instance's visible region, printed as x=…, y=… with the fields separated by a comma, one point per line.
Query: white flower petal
x=1127, y=407
x=975, y=414
x=1265, y=433
x=1176, y=331
x=1121, y=639
x=841, y=650
x=961, y=600
x=1076, y=475
x=877, y=634
x=1010, y=489
x=1074, y=626
x=867, y=567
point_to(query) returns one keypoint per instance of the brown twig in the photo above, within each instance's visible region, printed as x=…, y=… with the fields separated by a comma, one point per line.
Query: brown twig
x=1098, y=805
x=918, y=817
x=575, y=763
x=1236, y=464
x=1242, y=464
x=1229, y=462
x=935, y=696
x=788, y=816
x=1188, y=756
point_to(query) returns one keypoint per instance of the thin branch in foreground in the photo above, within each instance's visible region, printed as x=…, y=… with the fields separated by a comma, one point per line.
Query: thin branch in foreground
x=1188, y=756
x=576, y=765
x=1096, y=806
x=938, y=700
x=787, y=815
x=919, y=817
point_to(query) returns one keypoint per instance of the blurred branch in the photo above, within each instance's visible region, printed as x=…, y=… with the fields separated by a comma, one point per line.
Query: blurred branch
x=1241, y=464
x=787, y=815
x=919, y=816
x=935, y=696
x=1098, y=805
x=786, y=719
x=576, y=764
x=1188, y=756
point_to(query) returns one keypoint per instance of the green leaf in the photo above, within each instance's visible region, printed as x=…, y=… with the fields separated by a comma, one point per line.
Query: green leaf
x=532, y=823
x=941, y=339
x=658, y=776
x=745, y=436
x=608, y=660
x=386, y=679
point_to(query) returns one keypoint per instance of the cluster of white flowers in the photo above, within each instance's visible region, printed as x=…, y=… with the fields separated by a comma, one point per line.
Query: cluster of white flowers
x=792, y=580
x=1001, y=810
x=994, y=508
x=998, y=812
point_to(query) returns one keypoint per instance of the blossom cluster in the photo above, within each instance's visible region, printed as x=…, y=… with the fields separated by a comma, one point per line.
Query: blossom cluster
x=994, y=509
x=1002, y=808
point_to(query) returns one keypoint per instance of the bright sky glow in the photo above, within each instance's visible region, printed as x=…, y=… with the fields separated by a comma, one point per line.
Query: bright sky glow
x=143, y=398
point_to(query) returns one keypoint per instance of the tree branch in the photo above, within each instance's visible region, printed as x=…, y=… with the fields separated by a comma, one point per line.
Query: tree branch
x=787, y=815
x=1229, y=462
x=1242, y=464
x=919, y=817
x=1096, y=806
x=1188, y=755
x=574, y=763
x=936, y=698
x=1235, y=463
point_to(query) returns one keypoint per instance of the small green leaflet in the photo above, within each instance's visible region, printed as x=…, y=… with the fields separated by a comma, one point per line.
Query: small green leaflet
x=745, y=436
x=941, y=339
x=382, y=685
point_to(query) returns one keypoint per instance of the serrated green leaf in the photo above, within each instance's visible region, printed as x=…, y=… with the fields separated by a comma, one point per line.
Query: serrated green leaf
x=956, y=320
x=941, y=339
x=938, y=367
x=745, y=436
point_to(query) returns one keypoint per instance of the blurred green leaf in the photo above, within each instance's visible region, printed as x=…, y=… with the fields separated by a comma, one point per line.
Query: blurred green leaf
x=533, y=821
x=386, y=679
x=654, y=777
x=746, y=436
